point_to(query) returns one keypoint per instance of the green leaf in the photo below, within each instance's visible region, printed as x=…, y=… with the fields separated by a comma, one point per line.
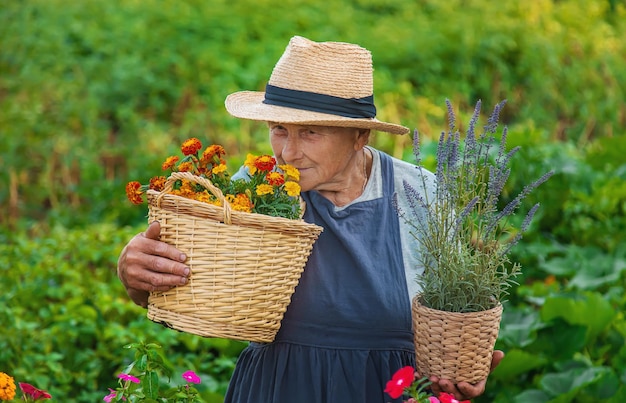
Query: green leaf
x=590, y=310
x=560, y=340
x=565, y=385
x=151, y=384
x=518, y=328
x=517, y=362
x=532, y=396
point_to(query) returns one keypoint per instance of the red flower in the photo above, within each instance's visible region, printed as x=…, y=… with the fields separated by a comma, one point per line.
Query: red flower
x=448, y=398
x=134, y=192
x=191, y=146
x=157, y=183
x=33, y=392
x=402, y=379
x=275, y=178
x=265, y=163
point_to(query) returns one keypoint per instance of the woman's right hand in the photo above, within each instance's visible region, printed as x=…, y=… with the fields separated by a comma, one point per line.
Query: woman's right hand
x=146, y=264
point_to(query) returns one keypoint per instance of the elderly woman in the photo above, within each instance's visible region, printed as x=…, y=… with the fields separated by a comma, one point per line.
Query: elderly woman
x=348, y=327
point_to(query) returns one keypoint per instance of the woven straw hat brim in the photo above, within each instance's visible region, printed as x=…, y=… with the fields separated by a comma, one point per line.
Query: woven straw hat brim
x=249, y=105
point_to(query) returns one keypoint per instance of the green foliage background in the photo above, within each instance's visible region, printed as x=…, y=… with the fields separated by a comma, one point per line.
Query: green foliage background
x=95, y=93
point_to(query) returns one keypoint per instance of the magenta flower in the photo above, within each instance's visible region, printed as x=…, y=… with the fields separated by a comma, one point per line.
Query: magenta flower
x=128, y=377
x=109, y=398
x=191, y=377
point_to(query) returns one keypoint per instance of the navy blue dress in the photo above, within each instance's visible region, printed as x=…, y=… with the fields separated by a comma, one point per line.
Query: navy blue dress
x=348, y=327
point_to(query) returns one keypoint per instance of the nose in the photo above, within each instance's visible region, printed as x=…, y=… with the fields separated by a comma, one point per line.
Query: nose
x=291, y=147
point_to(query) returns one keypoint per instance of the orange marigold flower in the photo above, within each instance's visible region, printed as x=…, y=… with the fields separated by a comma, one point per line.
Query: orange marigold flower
x=187, y=188
x=157, y=183
x=191, y=146
x=213, y=153
x=265, y=163
x=241, y=202
x=7, y=387
x=249, y=163
x=170, y=162
x=292, y=188
x=186, y=166
x=290, y=171
x=134, y=192
x=218, y=169
x=264, y=189
x=275, y=178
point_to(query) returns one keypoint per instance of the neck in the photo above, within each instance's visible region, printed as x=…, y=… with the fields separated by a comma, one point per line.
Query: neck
x=354, y=185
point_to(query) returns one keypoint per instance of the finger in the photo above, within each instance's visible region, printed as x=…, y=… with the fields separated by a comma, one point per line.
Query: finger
x=146, y=243
x=156, y=285
x=159, y=273
x=434, y=385
x=497, y=357
x=448, y=386
x=468, y=391
x=153, y=231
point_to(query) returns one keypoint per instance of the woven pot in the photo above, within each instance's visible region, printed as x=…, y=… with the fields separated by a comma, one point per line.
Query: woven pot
x=452, y=345
x=244, y=266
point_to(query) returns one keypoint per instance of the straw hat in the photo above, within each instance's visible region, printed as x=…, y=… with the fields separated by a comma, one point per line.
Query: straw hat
x=316, y=83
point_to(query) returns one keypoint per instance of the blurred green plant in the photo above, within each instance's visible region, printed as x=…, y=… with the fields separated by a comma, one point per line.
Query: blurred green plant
x=78, y=94
x=65, y=315
x=82, y=84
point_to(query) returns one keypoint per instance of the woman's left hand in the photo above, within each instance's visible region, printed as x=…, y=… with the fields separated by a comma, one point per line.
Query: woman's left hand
x=464, y=390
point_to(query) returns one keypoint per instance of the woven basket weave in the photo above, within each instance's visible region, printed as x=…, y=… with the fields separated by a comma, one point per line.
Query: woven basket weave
x=452, y=345
x=244, y=266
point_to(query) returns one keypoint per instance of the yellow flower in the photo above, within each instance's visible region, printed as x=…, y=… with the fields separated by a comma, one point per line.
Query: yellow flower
x=290, y=171
x=7, y=387
x=292, y=188
x=218, y=169
x=250, y=159
x=241, y=202
x=204, y=197
x=264, y=189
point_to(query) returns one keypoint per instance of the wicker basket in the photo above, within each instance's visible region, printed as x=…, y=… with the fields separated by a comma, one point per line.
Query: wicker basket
x=452, y=345
x=244, y=266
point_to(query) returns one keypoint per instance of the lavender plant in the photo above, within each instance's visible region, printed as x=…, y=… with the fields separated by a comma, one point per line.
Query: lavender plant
x=464, y=236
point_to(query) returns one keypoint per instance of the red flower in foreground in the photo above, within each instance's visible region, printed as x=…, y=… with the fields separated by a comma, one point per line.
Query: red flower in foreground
x=265, y=163
x=34, y=393
x=448, y=398
x=191, y=146
x=275, y=178
x=403, y=378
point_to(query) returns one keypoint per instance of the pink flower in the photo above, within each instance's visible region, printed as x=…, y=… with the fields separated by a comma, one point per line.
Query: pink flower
x=34, y=393
x=191, y=376
x=403, y=378
x=448, y=398
x=128, y=377
x=112, y=393
x=433, y=399
x=109, y=398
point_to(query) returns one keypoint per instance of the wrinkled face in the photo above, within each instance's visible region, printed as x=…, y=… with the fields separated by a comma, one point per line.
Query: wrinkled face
x=324, y=155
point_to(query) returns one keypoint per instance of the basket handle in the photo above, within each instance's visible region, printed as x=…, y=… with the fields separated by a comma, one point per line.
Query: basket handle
x=169, y=184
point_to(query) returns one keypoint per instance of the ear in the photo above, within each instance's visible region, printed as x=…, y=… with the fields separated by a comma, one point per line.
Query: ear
x=362, y=138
